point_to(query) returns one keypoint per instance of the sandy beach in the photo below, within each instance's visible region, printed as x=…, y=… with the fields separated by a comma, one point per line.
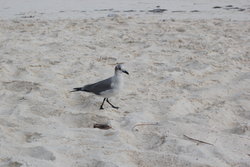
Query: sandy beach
x=185, y=102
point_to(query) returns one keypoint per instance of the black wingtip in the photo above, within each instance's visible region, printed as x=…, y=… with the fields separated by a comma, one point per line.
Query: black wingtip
x=76, y=89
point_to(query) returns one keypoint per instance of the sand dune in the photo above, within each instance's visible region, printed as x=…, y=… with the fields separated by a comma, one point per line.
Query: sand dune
x=188, y=79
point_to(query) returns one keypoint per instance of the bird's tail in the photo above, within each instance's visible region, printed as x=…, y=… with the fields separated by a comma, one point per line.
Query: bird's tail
x=77, y=89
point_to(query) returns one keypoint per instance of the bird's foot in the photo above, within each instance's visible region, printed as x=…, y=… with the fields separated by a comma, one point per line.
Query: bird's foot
x=101, y=108
x=115, y=107
x=111, y=104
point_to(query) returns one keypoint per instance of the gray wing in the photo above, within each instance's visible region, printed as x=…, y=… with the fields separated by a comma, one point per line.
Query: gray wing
x=99, y=87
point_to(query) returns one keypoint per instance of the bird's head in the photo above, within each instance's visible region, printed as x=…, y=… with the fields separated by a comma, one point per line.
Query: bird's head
x=120, y=69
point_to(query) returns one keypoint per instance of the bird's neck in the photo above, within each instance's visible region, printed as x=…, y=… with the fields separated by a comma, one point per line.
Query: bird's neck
x=118, y=74
x=118, y=77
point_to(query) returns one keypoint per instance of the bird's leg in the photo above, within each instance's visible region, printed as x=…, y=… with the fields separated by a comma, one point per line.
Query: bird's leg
x=111, y=104
x=101, y=107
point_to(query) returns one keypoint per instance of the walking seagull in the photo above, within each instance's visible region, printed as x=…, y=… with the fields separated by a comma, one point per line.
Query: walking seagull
x=106, y=88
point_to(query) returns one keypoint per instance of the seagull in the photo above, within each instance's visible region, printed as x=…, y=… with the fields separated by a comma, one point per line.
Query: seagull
x=106, y=88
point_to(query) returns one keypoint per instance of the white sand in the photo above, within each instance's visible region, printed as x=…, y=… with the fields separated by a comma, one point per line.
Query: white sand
x=191, y=76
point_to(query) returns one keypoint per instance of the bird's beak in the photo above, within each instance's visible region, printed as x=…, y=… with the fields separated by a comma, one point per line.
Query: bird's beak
x=125, y=72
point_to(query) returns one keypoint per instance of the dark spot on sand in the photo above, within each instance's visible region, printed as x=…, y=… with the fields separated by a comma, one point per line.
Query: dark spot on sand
x=102, y=126
x=216, y=7
x=194, y=11
x=158, y=10
x=26, y=17
x=129, y=11
x=241, y=10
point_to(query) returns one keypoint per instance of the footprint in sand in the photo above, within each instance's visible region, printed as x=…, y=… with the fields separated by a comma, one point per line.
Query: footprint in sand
x=240, y=129
x=38, y=153
x=97, y=163
x=7, y=162
x=148, y=141
x=32, y=137
x=20, y=86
